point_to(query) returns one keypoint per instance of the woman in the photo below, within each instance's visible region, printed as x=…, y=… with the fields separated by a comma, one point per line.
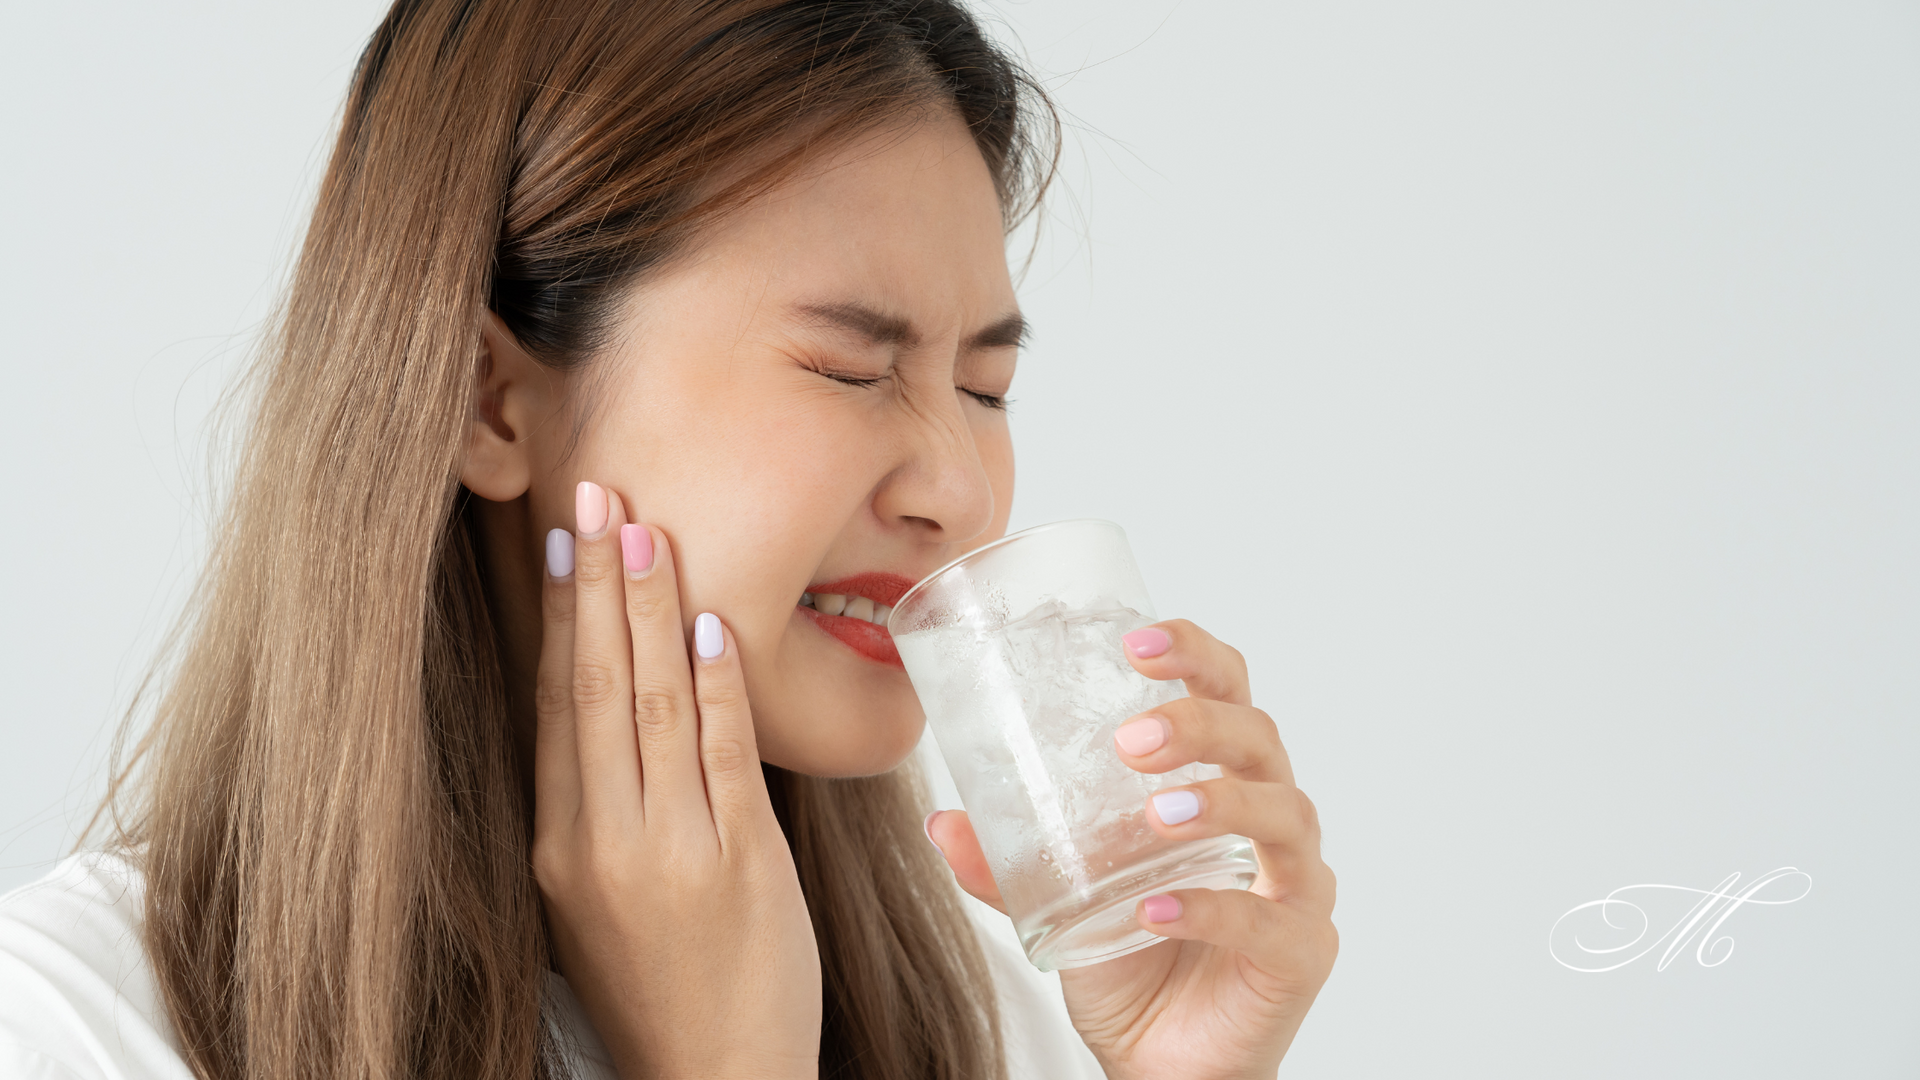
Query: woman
x=620, y=330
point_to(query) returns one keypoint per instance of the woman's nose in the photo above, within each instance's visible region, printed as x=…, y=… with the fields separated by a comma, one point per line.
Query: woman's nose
x=943, y=484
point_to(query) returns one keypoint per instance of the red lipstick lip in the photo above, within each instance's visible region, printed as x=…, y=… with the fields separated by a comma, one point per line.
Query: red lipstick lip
x=877, y=586
x=863, y=637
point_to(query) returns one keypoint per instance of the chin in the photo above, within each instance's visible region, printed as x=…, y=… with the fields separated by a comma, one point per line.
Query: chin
x=821, y=709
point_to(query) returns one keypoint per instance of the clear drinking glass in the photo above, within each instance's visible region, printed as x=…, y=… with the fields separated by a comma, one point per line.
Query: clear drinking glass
x=1014, y=651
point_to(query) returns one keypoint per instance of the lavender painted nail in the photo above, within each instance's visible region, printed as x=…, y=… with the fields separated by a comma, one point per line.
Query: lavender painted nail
x=1175, y=807
x=707, y=640
x=559, y=553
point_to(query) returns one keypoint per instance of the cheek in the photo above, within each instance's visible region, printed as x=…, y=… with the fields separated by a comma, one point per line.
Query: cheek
x=818, y=709
x=995, y=445
x=761, y=513
x=756, y=484
x=771, y=448
x=810, y=718
x=786, y=500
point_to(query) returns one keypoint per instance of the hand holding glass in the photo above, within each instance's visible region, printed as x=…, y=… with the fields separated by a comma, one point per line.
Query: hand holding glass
x=1014, y=651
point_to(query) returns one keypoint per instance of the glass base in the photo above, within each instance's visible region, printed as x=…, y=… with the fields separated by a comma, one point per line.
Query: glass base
x=1098, y=923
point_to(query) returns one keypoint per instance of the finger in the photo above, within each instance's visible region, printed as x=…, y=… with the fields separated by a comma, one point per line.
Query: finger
x=1292, y=945
x=729, y=755
x=1281, y=821
x=952, y=833
x=1177, y=649
x=1242, y=740
x=664, y=714
x=556, y=761
x=602, y=660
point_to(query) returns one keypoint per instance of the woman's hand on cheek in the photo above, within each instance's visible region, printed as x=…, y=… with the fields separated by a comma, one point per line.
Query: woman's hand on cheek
x=1225, y=997
x=675, y=908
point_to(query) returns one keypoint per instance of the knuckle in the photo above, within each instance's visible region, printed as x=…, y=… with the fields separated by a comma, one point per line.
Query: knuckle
x=645, y=605
x=550, y=865
x=1236, y=659
x=721, y=694
x=728, y=757
x=551, y=696
x=594, y=686
x=591, y=572
x=1266, y=734
x=606, y=865
x=1200, y=910
x=654, y=711
x=1252, y=920
x=1309, y=814
x=1238, y=797
x=1180, y=712
x=1273, y=809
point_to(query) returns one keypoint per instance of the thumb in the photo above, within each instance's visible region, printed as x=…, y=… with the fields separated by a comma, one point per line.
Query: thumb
x=952, y=833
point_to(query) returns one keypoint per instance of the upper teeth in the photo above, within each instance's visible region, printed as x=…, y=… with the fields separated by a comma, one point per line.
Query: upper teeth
x=854, y=607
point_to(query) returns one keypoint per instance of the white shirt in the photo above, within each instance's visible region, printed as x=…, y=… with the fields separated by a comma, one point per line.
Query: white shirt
x=78, y=999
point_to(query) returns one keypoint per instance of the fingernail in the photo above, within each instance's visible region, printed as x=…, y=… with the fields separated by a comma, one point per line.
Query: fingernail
x=706, y=636
x=1143, y=736
x=927, y=825
x=1175, y=807
x=589, y=510
x=1162, y=908
x=559, y=553
x=1147, y=641
x=636, y=548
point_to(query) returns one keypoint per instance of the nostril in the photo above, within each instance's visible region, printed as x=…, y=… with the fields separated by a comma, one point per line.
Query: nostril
x=950, y=487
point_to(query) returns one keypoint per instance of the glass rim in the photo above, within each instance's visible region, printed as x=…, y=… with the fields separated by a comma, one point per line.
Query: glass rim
x=984, y=548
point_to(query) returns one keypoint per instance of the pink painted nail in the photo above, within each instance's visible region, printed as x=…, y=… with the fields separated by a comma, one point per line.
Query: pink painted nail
x=589, y=510
x=636, y=548
x=928, y=826
x=1147, y=641
x=1143, y=736
x=1162, y=908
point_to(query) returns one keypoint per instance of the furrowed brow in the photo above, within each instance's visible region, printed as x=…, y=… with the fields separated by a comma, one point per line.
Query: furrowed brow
x=877, y=327
x=1010, y=332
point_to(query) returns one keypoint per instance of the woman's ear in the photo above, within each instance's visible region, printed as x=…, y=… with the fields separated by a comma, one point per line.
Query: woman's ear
x=515, y=397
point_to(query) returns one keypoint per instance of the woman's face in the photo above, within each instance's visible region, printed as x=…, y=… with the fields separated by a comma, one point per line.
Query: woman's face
x=807, y=403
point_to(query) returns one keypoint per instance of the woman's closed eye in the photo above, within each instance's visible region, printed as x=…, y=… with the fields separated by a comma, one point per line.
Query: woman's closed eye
x=991, y=401
x=855, y=380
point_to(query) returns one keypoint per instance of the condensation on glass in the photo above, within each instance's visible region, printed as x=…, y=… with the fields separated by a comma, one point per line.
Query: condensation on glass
x=1014, y=651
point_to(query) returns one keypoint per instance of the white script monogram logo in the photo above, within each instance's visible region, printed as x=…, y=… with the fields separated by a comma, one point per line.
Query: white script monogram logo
x=1598, y=918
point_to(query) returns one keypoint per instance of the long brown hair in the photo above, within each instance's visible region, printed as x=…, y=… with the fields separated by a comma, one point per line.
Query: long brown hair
x=329, y=805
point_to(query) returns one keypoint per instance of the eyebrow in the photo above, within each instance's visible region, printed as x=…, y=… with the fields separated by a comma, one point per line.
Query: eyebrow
x=1010, y=331
x=880, y=328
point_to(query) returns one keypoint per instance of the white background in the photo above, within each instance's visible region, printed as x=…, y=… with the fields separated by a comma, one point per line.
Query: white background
x=1528, y=390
